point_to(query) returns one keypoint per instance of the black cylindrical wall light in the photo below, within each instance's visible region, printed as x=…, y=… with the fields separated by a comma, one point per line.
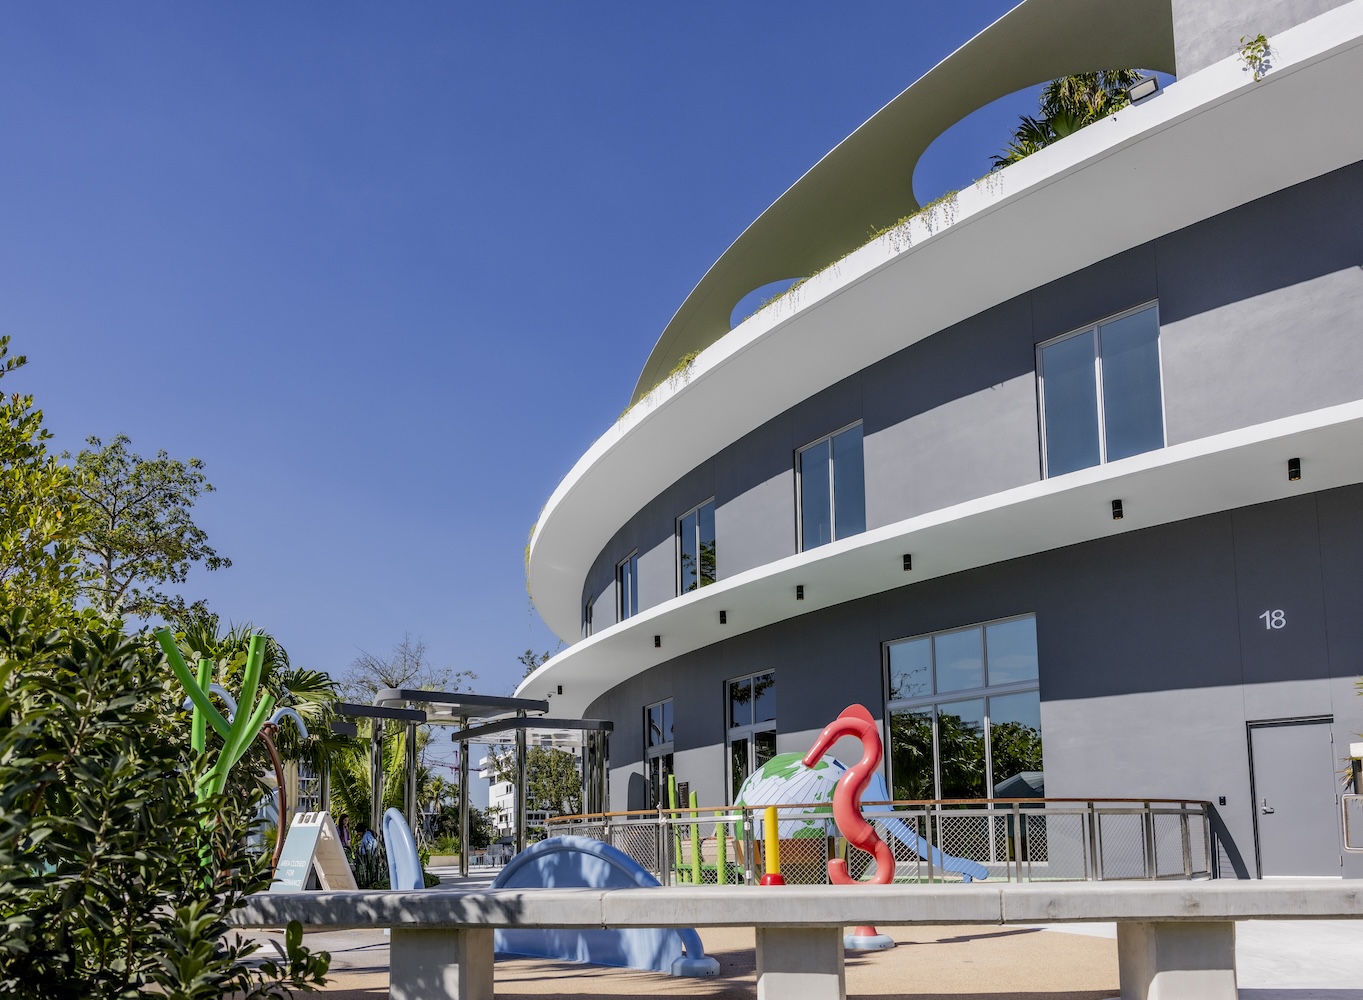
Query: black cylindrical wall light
x=1293, y=469
x=799, y=591
x=1116, y=510
x=908, y=562
x=657, y=642
x=724, y=618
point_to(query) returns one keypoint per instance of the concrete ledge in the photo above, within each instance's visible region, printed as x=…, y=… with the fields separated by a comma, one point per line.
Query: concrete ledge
x=814, y=906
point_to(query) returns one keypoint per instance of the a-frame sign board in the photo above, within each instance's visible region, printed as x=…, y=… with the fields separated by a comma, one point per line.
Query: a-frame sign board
x=312, y=842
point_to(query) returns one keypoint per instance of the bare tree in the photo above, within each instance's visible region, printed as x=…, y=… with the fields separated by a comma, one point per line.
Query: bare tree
x=407, y=666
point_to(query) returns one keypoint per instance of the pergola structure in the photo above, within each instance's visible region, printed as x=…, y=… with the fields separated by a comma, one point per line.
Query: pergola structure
x=477, y=718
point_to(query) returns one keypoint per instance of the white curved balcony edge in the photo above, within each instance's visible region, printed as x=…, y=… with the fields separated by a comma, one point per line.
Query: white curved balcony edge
x=1210, y=142
x=1221, y=472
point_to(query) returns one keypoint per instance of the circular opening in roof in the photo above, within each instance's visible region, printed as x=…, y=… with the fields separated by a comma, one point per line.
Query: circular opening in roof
x=757, y=298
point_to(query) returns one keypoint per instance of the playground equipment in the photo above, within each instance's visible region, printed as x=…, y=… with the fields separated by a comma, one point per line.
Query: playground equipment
x=577, y=862
x=404, y=864
x=854, y=721
x=245, y=720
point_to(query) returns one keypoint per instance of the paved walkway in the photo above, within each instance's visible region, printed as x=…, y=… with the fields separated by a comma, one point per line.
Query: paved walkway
x=1288, y=960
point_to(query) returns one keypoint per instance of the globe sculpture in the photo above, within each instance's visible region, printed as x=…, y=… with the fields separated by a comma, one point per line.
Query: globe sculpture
x=784, y=781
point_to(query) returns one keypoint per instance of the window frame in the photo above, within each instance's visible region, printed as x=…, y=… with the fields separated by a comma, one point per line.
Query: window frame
x=677, y=546
x=1095, y=328
x=935, y=698
x=632, y=561
x=664, y=749
x=832, y=485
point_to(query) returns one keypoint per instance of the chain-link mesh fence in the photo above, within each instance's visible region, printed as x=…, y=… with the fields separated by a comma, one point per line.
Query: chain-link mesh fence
x=1028, y=840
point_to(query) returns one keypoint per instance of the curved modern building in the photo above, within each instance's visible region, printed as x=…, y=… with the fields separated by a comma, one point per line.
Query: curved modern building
x=1061, y=477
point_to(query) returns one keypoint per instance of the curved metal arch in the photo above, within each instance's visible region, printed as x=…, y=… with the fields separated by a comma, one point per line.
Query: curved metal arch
x=221, y=692
x=866, y=181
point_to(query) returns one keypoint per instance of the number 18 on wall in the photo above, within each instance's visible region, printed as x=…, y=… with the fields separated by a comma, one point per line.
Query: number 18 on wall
x=1274, y=619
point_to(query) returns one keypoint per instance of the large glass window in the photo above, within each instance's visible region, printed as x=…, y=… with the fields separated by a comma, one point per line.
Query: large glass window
x=751, y=708
x=696, y=548
x=965, y=713
x=832, y=488
x=658, y=750
x=1101, y=396
x=627, y=587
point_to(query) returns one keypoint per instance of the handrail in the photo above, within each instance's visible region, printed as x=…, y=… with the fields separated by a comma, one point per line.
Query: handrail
x=687, y=812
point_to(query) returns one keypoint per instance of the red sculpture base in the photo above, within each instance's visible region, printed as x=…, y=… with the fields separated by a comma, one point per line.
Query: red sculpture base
x=772, y=879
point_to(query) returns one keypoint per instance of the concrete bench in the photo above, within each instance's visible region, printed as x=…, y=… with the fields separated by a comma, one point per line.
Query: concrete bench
x=1175, y=940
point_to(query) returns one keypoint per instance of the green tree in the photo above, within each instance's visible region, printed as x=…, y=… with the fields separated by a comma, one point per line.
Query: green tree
x=41, y=513
x=532, y=661
x=1067, y=105
x=553, y=777
x=116, y=878
x=141, y=535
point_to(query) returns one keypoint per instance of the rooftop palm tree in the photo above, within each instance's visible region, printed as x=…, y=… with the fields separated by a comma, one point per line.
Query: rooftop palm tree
x=1067, y=105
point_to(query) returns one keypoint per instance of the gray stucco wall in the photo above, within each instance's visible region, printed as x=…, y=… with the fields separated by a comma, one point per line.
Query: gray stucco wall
x=1260, y=310
x=1206, y=31
x=1153, y=657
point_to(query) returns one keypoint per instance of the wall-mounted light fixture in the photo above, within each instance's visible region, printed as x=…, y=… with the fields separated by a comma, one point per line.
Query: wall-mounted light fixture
x=908, y=562
x=799, y=591
x=560, y=689
x=1143, y=89
x=1116, y=510
x=1293, y=469
x=724, y=618
x=657, y=642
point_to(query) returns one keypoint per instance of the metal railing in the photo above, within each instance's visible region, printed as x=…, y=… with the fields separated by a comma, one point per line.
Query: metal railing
x=1020, y=840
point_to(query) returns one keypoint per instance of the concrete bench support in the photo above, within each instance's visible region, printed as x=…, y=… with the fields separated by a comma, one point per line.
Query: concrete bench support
x=441, y=964
x=1169, y=960
x=800, y=963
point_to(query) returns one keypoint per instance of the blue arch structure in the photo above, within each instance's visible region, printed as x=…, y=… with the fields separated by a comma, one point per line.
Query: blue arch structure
x=581, y=863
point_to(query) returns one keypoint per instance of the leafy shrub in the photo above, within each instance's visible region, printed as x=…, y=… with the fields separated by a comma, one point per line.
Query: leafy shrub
x=116, y=879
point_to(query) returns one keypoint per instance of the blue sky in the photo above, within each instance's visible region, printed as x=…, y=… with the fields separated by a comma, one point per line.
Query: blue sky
x=389, y=269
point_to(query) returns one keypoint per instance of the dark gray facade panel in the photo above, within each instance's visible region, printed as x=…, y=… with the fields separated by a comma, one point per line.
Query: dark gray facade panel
x=1207, y=31
x=1260, y=309
x=1278, y=568
x=1340, y=515
x=1101, y=289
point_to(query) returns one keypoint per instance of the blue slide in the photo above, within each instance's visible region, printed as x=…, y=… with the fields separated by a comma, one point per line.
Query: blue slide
x=899, y=830
x=581, y=863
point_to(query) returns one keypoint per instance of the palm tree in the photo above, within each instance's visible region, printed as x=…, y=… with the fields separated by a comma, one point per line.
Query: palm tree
x=1067, y=105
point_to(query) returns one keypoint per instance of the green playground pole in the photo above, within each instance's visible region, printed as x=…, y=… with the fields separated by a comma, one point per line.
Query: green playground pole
x=722, y=850
x=695, y=839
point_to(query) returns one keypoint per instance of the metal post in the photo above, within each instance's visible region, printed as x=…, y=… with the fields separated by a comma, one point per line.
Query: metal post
x=324, y=784
x=463, y=803
x=521, y=797
x=1185, y=840
x=410, y=805
x=376, y=776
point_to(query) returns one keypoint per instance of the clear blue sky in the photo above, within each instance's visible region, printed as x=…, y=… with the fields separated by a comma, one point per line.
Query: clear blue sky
x=389, y=269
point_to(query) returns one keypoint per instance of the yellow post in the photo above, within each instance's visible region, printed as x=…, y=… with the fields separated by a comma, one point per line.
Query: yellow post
x=773, y=848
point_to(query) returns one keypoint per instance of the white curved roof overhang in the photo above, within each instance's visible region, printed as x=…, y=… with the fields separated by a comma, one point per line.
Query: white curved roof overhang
x=1223, y=472
x=866, y=181
x=1210, y=142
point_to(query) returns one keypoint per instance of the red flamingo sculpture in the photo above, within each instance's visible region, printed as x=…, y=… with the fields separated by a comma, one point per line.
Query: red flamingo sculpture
x=855, y=721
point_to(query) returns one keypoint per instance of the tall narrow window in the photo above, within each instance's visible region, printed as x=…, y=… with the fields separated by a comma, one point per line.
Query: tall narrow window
x=751, y=724
x=587, y=620
x=832, y=488
x=658, y=750
x=627, y=587
x=1101, y=395
x=696, y=548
